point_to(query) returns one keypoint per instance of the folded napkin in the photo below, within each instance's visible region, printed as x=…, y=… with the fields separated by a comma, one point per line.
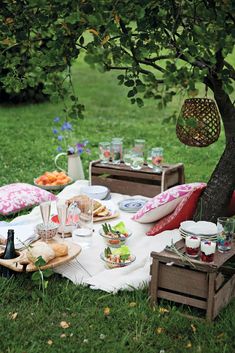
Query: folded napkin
x=24, y=234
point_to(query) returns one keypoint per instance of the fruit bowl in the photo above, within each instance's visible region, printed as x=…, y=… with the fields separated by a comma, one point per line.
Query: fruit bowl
x=53, y=181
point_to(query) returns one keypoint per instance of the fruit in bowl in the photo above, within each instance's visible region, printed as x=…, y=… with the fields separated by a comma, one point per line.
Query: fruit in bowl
x=115, y=258
x=115, y=236
x=54, y=178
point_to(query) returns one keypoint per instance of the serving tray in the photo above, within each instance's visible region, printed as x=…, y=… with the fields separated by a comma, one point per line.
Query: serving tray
x=22, y=264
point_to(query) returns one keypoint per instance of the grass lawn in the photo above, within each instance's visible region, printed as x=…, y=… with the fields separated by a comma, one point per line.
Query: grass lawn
x=27, y=150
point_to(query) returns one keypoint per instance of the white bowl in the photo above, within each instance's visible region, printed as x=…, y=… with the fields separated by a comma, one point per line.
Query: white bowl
x=95, y=191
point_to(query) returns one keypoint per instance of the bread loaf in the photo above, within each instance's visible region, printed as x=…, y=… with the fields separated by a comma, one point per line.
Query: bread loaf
x=59, y=249
x=40, y=249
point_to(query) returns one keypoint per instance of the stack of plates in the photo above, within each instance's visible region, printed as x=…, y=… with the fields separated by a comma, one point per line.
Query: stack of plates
x=204, y=230
x=131, y=205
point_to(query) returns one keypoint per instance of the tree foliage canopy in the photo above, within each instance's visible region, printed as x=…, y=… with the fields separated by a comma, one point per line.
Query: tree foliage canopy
x=178, y=42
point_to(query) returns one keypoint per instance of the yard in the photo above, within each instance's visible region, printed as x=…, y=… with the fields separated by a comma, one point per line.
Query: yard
x=98, y=321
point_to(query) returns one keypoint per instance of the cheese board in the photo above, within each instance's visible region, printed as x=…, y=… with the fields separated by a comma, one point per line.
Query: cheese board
x=22, y=264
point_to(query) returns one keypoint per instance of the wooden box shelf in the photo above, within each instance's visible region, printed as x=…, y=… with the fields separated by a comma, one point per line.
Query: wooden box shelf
x=202, y=285
x=122, y=179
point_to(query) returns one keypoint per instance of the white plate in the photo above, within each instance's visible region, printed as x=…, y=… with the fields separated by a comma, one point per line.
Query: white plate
x=200, y=227
x=131, y=205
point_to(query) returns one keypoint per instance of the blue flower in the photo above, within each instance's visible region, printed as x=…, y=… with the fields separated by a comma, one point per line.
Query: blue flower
x=55, y=131
x=71, y=150
x=56, y=120
x=59, y=149
x=60, y=137
x=66, y=126
x=79, y=150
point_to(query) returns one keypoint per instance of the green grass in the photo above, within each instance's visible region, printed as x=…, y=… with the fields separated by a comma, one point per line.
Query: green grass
x=27, y=151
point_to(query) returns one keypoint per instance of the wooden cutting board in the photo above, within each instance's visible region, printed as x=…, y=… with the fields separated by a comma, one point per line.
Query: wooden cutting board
x=22, y=264
x=113, y=215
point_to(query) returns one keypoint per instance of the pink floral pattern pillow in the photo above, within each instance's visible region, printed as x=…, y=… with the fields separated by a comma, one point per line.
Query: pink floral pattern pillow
x=16, y=197
x=164, y=203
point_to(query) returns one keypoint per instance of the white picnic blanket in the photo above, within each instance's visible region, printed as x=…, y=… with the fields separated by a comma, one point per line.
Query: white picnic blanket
x=89, y=269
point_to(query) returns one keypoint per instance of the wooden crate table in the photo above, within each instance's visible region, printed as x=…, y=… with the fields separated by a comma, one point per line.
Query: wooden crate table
x=208, y=286
x=122, y=179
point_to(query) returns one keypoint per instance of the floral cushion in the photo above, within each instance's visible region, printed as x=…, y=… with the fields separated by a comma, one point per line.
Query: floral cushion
x=16, y=197
x=184, y=211
x=164, y=203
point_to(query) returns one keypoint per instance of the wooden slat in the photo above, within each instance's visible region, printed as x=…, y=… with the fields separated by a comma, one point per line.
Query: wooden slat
x=182, y=280
x=143, y=174
x=223, y=296
x=127, y=187
x=211, y=293
x=219, y=281
x=153, y=288
x=182, y=299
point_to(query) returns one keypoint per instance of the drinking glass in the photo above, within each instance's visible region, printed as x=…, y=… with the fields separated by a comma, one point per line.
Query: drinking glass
x=226, y=231
x=104, y=152
x=127, y=156
x=137, y=161
x=139, y=146
x=157, y=159
x=45, y=208
x=116, y=151
x=62, y=210
x=149, y=159
x=83, y=233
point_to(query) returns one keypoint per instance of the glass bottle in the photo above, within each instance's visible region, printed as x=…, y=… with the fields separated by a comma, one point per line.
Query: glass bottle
x=9, y=253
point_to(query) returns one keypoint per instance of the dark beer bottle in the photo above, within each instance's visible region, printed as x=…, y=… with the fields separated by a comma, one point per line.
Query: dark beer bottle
x=9, y=253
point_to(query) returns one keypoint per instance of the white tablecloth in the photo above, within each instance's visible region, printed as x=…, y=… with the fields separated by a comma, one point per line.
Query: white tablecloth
x=89, y=269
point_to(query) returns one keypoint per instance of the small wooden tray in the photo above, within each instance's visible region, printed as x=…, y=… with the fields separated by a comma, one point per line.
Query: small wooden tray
x=22, y=264
x=114, y=215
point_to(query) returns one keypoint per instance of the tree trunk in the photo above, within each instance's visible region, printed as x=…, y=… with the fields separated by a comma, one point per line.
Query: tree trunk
x=215, y=199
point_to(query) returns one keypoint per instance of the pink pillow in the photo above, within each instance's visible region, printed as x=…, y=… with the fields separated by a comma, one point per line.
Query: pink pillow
x=184, y=211
x=164, y=203
x=16, y=197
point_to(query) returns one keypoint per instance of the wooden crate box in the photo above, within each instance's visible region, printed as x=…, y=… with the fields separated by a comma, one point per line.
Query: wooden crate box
x=207, y=286
x=122, y=179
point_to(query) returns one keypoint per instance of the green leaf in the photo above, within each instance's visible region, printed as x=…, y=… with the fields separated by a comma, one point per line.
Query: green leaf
x=129, y=83
x=36, y=276
x=40, y=262
x=131, y=94
x=47, y=273
x=139, y=102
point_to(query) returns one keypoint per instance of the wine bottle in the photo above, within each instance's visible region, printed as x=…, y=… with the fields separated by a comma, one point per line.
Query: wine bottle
x=9, y=253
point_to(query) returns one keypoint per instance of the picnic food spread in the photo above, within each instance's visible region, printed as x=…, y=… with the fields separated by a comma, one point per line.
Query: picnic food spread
x=99, y=209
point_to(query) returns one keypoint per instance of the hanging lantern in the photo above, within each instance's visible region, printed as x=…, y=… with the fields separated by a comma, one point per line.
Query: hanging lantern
x=199, y=122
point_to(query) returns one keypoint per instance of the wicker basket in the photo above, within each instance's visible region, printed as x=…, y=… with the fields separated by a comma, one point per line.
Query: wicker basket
x=199, y=122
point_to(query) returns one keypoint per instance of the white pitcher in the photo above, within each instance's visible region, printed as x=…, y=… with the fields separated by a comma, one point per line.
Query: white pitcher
x=75, y=168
